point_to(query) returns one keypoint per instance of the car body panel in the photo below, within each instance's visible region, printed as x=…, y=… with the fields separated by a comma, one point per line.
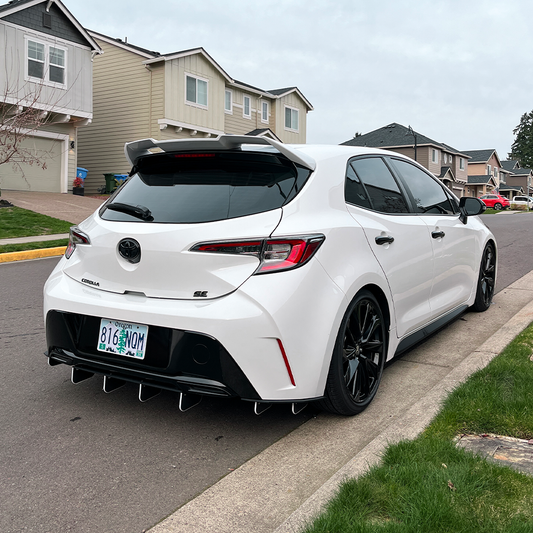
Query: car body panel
x=168, y=268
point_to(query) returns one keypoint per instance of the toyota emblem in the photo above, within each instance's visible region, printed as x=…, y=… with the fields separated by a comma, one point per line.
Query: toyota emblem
x=130, y=250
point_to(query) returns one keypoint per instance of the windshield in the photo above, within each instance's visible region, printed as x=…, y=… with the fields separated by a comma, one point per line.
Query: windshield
x=187, y=188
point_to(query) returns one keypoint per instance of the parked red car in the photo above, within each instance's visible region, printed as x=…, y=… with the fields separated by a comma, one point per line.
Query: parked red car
x=495, y=201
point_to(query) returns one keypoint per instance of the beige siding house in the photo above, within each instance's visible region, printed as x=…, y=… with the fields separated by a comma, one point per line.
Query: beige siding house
x=484, y=172
x=46, y=70
x=445, y=162
x=140, y=94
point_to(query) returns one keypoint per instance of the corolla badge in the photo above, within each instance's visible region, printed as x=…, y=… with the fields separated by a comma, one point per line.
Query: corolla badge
x=130, y=250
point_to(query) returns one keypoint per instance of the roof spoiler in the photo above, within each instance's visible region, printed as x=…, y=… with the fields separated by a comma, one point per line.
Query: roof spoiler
x=136, y=149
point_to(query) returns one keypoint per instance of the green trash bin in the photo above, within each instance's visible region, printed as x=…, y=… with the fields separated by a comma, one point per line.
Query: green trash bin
x=110, y=184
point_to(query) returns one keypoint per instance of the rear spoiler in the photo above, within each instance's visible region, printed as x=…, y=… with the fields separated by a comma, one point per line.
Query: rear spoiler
x=136, y=149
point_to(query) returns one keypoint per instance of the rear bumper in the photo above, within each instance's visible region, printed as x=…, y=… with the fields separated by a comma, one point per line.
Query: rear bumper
x=238, y=335
x=176, y=360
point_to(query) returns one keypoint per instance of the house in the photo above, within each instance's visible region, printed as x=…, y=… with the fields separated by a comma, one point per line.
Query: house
x=518, y=178
x=140, y=93
x=484, y=172
x=445, y=162
x=45, y=92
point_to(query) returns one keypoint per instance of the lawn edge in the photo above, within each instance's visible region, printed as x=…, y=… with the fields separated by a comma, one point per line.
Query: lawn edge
x=32, y=254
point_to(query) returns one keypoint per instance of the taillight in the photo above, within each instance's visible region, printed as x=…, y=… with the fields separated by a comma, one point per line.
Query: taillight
x=274, y=255
x=76, y=237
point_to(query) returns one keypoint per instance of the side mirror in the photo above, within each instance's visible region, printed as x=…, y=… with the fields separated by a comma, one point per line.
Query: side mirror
x=470, y=207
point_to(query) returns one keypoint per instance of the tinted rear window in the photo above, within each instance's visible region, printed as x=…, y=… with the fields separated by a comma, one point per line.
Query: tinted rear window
x=192, y=188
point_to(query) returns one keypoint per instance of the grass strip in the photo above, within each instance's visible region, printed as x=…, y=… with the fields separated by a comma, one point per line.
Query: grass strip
x=430, y=485
x=32, y=246
x=17, y=222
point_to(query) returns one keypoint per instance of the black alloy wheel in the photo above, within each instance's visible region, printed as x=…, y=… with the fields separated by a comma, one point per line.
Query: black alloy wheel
x=358, y=357
x=486, y=279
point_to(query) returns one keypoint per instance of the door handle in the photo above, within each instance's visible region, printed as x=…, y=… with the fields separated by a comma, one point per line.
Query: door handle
x=437, y=234
x=384, y=240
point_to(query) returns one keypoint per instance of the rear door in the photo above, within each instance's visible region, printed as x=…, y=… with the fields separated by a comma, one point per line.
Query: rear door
x=398, y=238
x=454, y=243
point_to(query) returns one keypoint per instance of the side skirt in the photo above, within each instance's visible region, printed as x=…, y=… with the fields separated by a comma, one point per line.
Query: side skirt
x=420, y=335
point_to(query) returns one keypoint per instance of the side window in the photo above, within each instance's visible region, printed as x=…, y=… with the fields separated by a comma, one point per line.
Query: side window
x=427, y=193
x=381, y=188
x=354, y=192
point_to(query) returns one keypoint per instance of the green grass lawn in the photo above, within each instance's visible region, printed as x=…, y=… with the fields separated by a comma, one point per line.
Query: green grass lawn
x=430, y=485
x=17, y=222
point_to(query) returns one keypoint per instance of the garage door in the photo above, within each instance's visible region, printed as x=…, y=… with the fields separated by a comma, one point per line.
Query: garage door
x=34, y=177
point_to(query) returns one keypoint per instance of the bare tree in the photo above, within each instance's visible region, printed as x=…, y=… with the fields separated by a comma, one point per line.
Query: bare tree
x=20, y=116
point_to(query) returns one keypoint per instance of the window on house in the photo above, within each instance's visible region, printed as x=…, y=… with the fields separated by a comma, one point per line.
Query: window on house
x=488, y=170
x=434, y=156
x=247, y=108
x=495, y=172
x=291, y=118
x=196, y=91
x=57, y=65
x=264, y=111
x=462, y=165
x=45, y=63
x=228, y=102
x=445, y=156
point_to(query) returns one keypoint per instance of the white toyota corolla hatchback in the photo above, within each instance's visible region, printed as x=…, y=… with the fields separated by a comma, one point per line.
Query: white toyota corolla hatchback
x=243, y=267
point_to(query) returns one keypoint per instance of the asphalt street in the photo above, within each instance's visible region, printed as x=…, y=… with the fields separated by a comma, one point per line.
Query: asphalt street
x=75, y=459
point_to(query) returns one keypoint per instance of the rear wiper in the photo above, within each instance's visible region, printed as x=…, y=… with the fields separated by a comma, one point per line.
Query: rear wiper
x=138, y=211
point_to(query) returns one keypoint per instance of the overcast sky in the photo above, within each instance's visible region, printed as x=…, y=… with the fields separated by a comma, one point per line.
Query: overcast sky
x=457, y=71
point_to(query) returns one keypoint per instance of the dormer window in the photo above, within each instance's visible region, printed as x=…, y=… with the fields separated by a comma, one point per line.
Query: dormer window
x=45, y=63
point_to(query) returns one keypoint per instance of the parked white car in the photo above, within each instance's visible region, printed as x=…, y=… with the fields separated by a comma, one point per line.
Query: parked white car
x=242, y=267
x=523, y=200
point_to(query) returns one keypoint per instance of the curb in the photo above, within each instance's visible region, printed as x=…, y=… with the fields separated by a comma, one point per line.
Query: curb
x=32, y=254
x=414, y=421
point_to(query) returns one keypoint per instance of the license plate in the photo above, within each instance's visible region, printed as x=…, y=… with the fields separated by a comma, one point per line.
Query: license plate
x=122, y=338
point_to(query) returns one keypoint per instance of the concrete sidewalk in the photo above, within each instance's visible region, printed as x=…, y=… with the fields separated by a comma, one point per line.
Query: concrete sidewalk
x=57, y=205
x=286, y=485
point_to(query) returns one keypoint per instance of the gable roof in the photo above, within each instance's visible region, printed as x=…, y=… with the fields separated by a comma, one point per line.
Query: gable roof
x=481, y=180
x=15, y=6
x=446, y=173
x=395, y=136
x=520, y=172
x=481, y=156
x=505, y=187
x=510, y=164
x=264, y=132
x=287, y=90
x=124, y=45
x=152, y=57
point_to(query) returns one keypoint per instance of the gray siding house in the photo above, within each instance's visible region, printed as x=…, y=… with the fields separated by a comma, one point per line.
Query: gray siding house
x=47, y=66
x=140, y=93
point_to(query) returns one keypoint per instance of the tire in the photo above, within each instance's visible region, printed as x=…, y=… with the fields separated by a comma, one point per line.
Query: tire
x=497, y=206
x=486, y=279
x=358, y=357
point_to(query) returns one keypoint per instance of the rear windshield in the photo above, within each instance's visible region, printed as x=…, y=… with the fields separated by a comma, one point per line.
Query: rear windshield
x=187, y=188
